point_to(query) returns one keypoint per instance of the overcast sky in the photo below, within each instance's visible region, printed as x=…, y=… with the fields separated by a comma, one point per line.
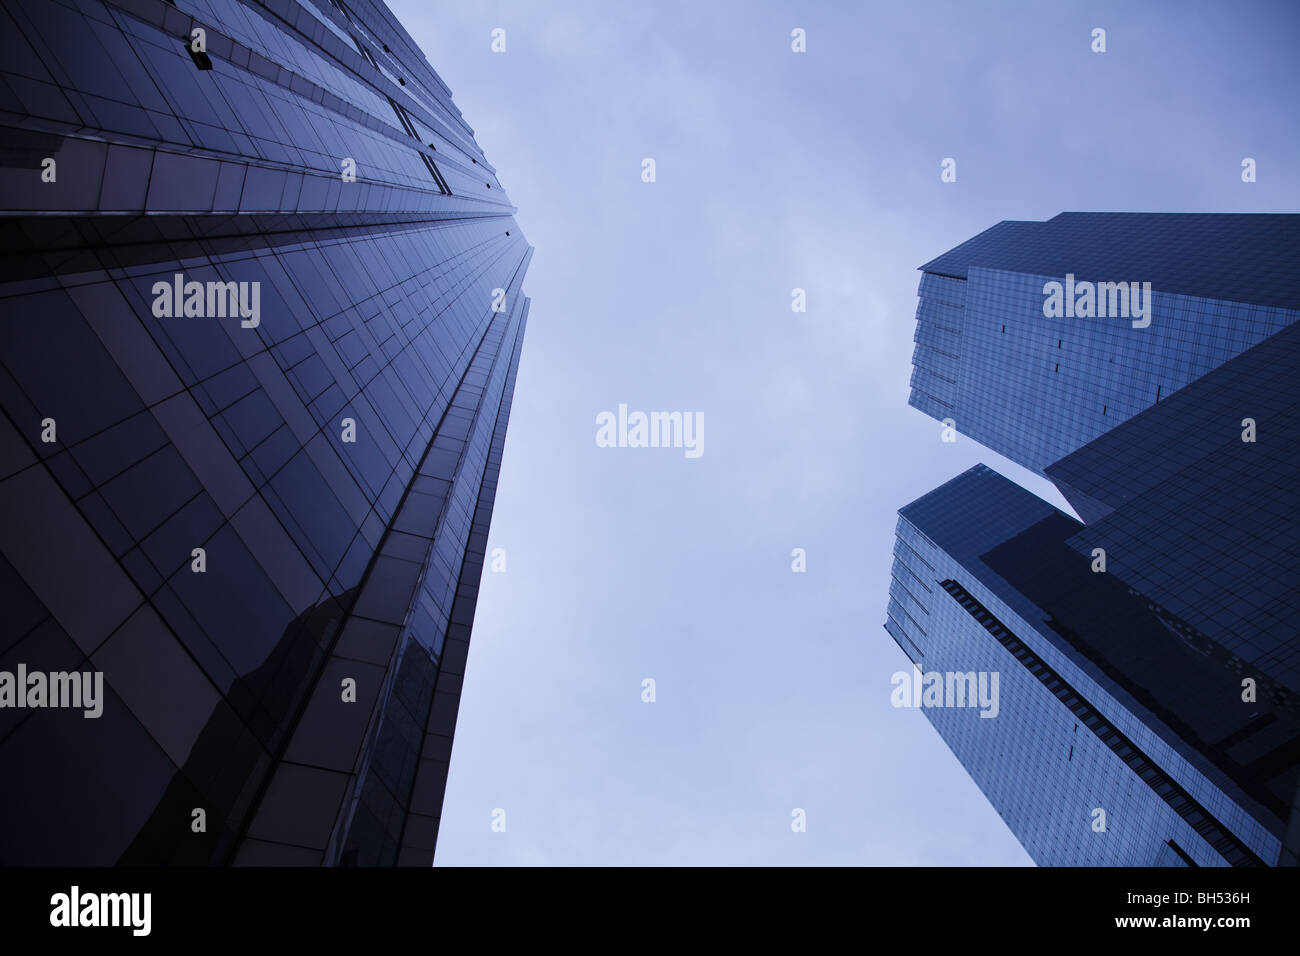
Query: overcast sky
x=775, y=170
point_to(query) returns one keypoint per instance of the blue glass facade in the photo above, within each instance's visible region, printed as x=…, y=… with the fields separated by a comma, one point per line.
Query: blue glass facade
x=1035, y=388
x=1200, y=521
x=265, y=527
x=1166, y=626
x=1093, y=714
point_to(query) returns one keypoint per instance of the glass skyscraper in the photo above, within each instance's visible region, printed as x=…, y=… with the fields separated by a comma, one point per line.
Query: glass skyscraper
x=1150, y=707
x=1034, y=388
x=261, y=318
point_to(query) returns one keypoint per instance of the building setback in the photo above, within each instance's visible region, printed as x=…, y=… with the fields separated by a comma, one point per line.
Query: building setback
x=1158, y=641
x=263, y=522
x=1036, y=389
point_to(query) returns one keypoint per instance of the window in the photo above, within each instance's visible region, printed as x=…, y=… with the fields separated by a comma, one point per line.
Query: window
x=402, y=117
x=365, y=52
x=436, y=174
x=200, y=57
x=1226, y=843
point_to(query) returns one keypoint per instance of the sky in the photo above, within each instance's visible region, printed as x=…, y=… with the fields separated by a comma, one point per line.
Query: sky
x=775, y=170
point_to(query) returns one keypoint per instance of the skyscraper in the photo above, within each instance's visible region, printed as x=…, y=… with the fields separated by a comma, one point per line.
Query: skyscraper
x=262, y=314
x=1165, y=630
x=1035, y=388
